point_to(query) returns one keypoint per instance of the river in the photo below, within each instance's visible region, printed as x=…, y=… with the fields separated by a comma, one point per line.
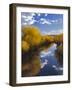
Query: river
x=49, y=63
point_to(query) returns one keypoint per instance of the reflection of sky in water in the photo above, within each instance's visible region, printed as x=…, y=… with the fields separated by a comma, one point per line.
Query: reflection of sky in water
x=49, y=64
x=49, y=52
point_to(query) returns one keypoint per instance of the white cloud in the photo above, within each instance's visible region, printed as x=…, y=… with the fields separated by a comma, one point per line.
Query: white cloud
x=28, y=19
x=31, y=15
x=23, y=16
x=44, y=63
x=44, y=21
x=24, y=23
x=32, y=21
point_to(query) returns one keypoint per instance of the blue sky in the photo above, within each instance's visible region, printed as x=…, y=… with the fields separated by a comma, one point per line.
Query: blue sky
x=47, y=23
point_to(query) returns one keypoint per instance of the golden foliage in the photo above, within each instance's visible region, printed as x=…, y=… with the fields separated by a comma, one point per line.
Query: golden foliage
x=31, y=35
x=48, y=38
x=59, y=38
x=25, y=46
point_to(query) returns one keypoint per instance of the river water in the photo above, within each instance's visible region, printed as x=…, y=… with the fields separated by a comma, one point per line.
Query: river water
x=49, y=63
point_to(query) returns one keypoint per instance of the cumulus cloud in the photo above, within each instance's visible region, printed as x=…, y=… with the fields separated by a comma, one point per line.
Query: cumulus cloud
x=44, y=21
x=28, y=19
x=44, y=63
x=27, y=15
x=30, y=22
x=23, y=16
x=24, y=23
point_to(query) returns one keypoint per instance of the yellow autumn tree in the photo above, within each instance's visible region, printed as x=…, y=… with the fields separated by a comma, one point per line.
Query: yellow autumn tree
x=31, y=35
x=59, y=38
x=25, y=46
x=49, y=38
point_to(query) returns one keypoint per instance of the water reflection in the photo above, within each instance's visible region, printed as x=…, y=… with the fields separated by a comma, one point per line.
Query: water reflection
x=50, y=62
x=46, y=63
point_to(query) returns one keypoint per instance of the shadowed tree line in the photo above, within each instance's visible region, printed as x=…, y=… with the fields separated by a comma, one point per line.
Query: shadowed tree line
x=32, y=44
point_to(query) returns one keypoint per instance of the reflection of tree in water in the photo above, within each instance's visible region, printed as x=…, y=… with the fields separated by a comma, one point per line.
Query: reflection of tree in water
x=30, y=67
x=59, y=54
x=32, y=44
